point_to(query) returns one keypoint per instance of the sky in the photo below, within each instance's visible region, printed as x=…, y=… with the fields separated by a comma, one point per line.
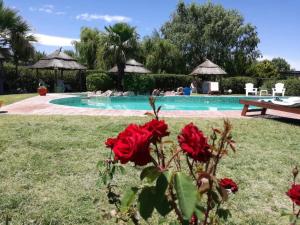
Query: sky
x=57, y=23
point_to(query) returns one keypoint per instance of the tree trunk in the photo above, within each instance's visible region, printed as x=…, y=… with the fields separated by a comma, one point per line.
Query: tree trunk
x=121, y=72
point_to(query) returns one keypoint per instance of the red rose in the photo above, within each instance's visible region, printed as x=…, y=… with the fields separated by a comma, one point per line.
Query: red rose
x=132, y=144
x=194, y=143
x=294, y=193
x=158, y=128
x=110, y=142
x=229, y=184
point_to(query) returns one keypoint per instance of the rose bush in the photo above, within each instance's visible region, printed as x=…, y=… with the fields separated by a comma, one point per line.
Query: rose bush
x=294, y=194
x=229, y=185
x=194, y=143
x=180, y=178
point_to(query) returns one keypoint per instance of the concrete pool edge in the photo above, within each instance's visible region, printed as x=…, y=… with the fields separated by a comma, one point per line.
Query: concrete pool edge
x=40, y=105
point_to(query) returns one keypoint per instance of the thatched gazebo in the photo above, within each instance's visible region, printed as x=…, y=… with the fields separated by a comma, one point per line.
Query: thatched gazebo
x=58, y=61
x=131, y=66
x=208, y=68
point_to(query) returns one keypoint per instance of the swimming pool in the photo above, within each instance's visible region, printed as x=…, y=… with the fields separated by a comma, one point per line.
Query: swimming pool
x=213, y=103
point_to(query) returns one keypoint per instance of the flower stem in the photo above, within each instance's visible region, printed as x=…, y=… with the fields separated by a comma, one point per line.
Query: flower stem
x=173, y=156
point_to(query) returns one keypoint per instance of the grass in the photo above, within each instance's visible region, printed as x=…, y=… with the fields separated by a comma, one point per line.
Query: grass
x=48, y=169
x=9, y=99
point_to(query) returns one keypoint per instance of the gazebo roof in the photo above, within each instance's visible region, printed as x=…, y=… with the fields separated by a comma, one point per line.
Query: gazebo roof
x=208, y=68
x=131, y=66
x=58, y=60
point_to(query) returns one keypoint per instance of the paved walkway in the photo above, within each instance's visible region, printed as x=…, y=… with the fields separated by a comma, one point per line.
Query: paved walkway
x=40, y=105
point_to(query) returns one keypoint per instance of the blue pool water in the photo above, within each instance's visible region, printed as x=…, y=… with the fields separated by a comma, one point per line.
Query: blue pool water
x=213, y=103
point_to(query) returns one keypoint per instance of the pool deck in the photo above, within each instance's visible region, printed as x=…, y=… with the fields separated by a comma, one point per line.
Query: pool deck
x=40, y=105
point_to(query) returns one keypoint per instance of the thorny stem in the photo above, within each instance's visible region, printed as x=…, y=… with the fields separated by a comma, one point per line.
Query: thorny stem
x=208, y=203
x=298, y=214
x=191, y=168
x=173, y=156
x=154, y=162
x=219, y=152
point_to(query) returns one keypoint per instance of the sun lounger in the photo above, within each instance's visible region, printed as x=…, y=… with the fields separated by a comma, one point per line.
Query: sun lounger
x=264, y=105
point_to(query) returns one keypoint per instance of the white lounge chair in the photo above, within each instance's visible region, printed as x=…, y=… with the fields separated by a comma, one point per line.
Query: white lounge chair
x=250, y=89
x=291, y=102
x=279, y=89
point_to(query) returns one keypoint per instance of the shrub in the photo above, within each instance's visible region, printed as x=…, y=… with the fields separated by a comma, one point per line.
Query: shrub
x=142, y=84
x=171, y=81
x=99, y=81
x=237, y=84
x=189, y=190
x=292, y=86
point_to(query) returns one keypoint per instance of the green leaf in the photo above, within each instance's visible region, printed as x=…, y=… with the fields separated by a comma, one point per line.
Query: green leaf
x=121, y=169
x=186, y=193
x=150, y=173
x=162, y=204
x=128, y=198
x=146, y=202
x=223, y=213
x=200, y=212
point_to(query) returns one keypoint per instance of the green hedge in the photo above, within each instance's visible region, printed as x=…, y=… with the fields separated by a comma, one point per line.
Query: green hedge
x=237, y=84
x=292, y=86
x=139, y=84
x=168, y=82
x=99, y=81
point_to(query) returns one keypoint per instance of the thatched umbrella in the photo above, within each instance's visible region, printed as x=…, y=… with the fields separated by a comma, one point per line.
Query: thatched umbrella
x=208, y=68
x=131, y=66
x=58, y=60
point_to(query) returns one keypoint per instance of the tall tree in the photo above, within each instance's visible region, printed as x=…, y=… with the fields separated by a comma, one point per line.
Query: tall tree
x=14, y=34
x=161, y=56
x=88, y=46
x=211, y=31
x=281, y=64
x=20, y=43
x=121, y=43
x=263, y=69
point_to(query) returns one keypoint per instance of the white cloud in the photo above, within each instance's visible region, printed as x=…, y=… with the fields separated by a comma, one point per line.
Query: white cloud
x=49, y=40
x=50, y=9
x=294, y=62
x=107, y=18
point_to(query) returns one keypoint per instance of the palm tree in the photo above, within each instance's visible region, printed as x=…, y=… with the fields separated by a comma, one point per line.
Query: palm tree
x=14, y=34
x=121, y=42
x=21, y=47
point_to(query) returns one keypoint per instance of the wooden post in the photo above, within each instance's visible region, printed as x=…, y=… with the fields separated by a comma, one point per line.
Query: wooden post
x=80, y=80
x=55, y=83
x=245, y=110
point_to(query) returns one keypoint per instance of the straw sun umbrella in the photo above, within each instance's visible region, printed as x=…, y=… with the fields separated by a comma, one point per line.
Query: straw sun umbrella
x=132, y=66
x=58, y=61
x=208, y=69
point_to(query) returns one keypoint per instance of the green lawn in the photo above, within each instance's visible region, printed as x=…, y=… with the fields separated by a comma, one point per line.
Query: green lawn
x=48, y=168
x=9, y=99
